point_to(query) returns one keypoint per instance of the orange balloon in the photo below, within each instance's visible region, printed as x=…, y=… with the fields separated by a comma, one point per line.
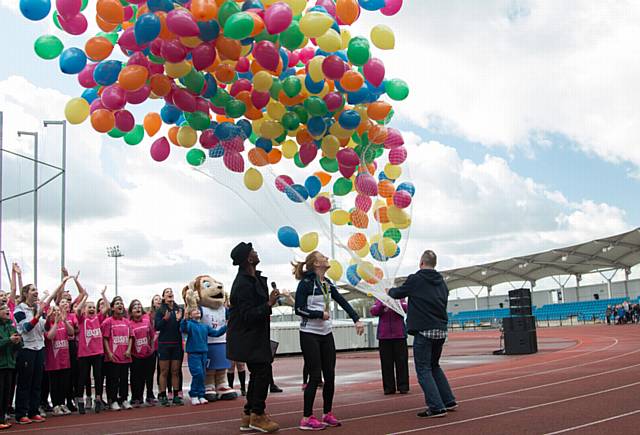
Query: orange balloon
x=386, y=189
x=377, y=133
x=98, y=48
x=173, y=135
x=381, y=215
x=258, y=156
x=359, y=219
x=160, y=84
x=252, y=113
x=378, y=110
x=165, y=34
x=126, y=24
x=324, y=177
x=133, y=77
x=389, y=201
x=357, y=241
x=110, y=11
x=142, y=9
x=292, y=101
x=225, y=73
x=228, y=48
x=303, y=136
x=347, y=10
x=274, y=156
x=352, y=81
x=103, y=120
x=363, y=127
x=152, y=123
x=204, y=10
x=104, y=26
x=258, y=24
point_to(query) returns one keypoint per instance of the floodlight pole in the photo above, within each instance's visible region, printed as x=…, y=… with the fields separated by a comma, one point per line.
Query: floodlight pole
x=63, y=213
x=115, y=253
x=35, y=202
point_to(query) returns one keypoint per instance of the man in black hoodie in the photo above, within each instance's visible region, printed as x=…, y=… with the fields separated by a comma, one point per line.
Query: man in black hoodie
x=427, y=320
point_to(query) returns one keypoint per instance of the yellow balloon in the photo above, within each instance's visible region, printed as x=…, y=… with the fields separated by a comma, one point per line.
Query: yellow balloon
x=363, y=252
x=256, y=125
x=330, y=146
x=387, y=226
x=271, y=129
x=315, y=24
x=392, y=171
x=253, y=179
x=340, y=217
x=309, y=242
x=289, y=149
x=335, y=271
x=296, y=5
x=362, y=111
x=76, y=110
x=276, y=110
x=352, y=144
x=379, y=203
x=315, y=69
x=187, y=136
x=340, y=132
x=177, y=70
x=375, y=238
x=388, y=247
x=245, y=50
x=382, y=37
x=404, y=225
x=190, y=41
x=330, y=41
x=366, y=270
x=262, y=81
x=345, y=36
x=397, y=215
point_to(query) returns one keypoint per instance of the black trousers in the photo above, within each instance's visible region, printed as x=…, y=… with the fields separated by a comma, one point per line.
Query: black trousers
x=59, y=382
x=6, y=382
x=117, y=382
x=319, y=352
x=142, y=370
x=85, y=364
x=259, y=380
x=45, y=388
x=394, y=359
x=72, y=386
x=30, y=366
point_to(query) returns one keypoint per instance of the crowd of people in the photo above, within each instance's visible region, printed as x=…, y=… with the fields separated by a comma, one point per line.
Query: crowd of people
x=622, y=313
x=60, y=355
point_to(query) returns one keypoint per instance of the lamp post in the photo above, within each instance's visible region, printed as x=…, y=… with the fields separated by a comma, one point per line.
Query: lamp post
x=115, y=252
x=35, y=202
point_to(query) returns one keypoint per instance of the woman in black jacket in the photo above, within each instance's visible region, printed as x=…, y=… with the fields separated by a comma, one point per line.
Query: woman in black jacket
x=313, y=298
x=167, y=323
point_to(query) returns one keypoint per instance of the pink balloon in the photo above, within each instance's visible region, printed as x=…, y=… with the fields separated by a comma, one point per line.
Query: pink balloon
x=114, y=97
x=202, y=105
x=374, y=71
x=329, y=5
x=239, y=86
x=184, y=100
x=155, y=68
x=398, y=155
x=391, y=7
x=306, y=54
x=182, y=23
x=322, y=204
x=308, y=153
x=160, y=149
x=402, y=199
x=138, y=58
x=333, y=67
x=346, y=171
x=139, y=96
x=96, y=105
x=208, y=139
x=394, y=138
x=156, y=47
x=266, y=54
x=203, y=56
x=283, y=181
x=363, y=202
x=173, y=51
x=218, y=110
x=128, y=13
x=294, y=58
x=127, y=41
x=278, y=17
x=124, y=120
x=366, y=184
x=348, y=157
x=233, y=161
x=243, y=65
x=333, y=100
x=85, y=77
x=68, y=8
x=74, y=25
x=234, y=145
x=260, y=99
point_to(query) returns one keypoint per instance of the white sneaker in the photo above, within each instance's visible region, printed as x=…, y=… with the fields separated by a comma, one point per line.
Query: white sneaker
x=57, y=411
x=66, y=410
x=203, y=401
x=195, y=401
x=115, y=406
x=126, y=405
x=42, y=412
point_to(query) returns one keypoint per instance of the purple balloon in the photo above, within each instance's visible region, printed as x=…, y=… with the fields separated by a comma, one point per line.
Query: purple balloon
x=333, y=100
x=74, y=25
x=114, y=97
x=278, y=17
x=374, y=71
x=348, y=157
x=266, y=54
x=182, y=23
x=240, y=86
x=85, y=77
x=68, y=8
x=203, y=56
x=124, y=120
x=139, y=96
x=160, y=149
x=366, y=184
x=173, y=51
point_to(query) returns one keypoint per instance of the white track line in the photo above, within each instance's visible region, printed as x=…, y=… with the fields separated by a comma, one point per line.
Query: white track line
x=615, y=417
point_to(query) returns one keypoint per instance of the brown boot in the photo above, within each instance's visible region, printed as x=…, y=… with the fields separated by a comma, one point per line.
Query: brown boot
x=263, y=423
x=244, y=423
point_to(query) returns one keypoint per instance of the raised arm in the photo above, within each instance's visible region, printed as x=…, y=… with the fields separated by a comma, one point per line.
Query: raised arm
x=16, y=281
x=80, y=307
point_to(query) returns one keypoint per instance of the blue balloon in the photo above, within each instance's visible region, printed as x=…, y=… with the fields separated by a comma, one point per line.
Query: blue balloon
x=181, y=121
x=313, y=87
x=90, y=95
x=349, y=119
x=209, y=30
x=285, y=57
x=170, y=114
x=160, y=5
x=212, y=86
x=316, y=126
x=265, y=144
x=382, y=176
x=352, y=275
x=371, y=5
x=245, y=127
x=106, y=73
x=288, y=237
x=147, y=28
x=313, y=186
x=296, y=193
x=225, y=131
x=252, y=4
x=72, y=60
x=408, y=187
x=397, y=252
x=376, y=254
x=360, y=96
x=35, y=10
x=216, y=151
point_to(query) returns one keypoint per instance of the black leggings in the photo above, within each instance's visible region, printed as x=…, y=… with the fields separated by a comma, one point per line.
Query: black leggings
x=85, y=364
x=6, y=383
x=117, y=382
x=59, y=381
x=72, y=384
x=319, y=352
x=142, y=370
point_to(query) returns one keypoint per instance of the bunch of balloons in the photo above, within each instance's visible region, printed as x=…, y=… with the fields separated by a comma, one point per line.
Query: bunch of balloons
x=250, y=82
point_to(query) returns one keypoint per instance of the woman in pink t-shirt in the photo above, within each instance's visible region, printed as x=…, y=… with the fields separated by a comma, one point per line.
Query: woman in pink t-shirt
x=56, y=361
x=117, y=351
x=142, y=353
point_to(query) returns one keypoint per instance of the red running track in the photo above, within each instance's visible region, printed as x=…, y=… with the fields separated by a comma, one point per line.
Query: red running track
x=585, y=380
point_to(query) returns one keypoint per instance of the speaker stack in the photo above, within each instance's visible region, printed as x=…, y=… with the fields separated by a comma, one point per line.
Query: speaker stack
x=520, y=328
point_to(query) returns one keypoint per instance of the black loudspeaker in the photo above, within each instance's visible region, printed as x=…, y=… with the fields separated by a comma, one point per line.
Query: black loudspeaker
x=596, y=296
x=520, y=302
x=520, y=342
x=519, y=324
x=520, y=293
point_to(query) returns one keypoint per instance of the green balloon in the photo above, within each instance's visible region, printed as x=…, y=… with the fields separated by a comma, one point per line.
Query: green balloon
x=253, y=138
x=397, y=89
x=135, y=136
x=194, y=81
x=316, y=106
x=196, y=157
x=358, y=51
x=366, y=153
x=226, y=11
x=235, y=108
x=302, y=113
x=276, y=87
x=85, y=3
x=221, y=98
x=389, y=117
x=197, y=120
x=281, y=138
x=156, y=59
x=329, y=165
x=135, y=13
x=292, y=38
x=298, y=162
x=238, y=26
x=393, y=234
x=111, y=36
x=379, y=152
x=48, y=47
x=115, y=133
x=290, y=120
x=56, y=20
x=266, y=36
x=342, y=186
x=291, y=86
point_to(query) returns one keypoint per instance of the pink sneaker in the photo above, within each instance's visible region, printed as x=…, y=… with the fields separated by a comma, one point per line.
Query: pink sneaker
x=311, y=423
x=330, y=420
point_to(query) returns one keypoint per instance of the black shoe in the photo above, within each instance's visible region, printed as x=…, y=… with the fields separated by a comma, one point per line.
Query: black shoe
x=72, y=407
x=275, y=389
x=81, y=407
x=427, y=413
x=98, y=406
x=451, y=406
x=243, y=391
x=404, y=391
x=387, y=393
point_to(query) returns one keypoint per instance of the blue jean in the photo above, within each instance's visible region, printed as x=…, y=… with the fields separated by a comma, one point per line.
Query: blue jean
x=426, y=354
x=197, y=367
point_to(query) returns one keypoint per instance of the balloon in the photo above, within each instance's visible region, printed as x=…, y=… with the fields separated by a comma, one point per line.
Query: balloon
x=402, y=199
x=160, y=149
x=335, y=270
x=103, y=120
x=408, y=187
x=133, y=77
x=392, y=171
x=48, y=47
x=349, y=119
x=253, y=179
x=147, y=28
x=106, y=72
x=72, y=60
x=187, y=136
x=322, y=204
x=391, y=7
x=288, y=237
x=238, y=26
x=135, y=136
x=313, y=186
x=315, y=24
x=98, y=48
x=76, y=110
x=111, y=11
x=266, y=54
x=309, y=242
x=397, y=89
x=352, y=275
x=125, y=122
x=182, y=23
x=196, y=157
x=347, y=11
x=35, y=10
x=374, y=71
x=382, y=37
x=358, y=51
x=278, y=17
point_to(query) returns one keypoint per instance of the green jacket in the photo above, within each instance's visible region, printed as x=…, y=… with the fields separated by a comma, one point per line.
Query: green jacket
x=7, y=348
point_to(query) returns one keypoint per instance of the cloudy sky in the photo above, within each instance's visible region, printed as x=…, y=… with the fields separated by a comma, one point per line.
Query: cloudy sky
x=522, y=127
